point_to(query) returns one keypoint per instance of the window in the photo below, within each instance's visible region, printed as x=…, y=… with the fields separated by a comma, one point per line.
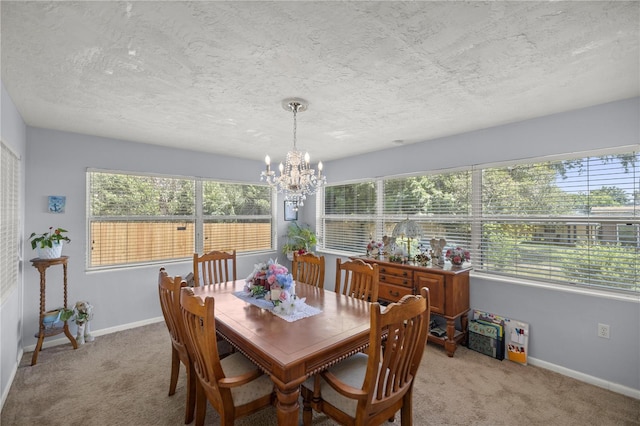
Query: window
x=9, y=221
x=357, y=213
x=350, y=218
x=440, y=203
x=571, y=221
x=137, y=219
x=236, y=216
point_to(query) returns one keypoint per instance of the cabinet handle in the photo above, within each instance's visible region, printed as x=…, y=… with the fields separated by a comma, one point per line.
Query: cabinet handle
x=382, y=278
x=394, y=293
x=404, y=274
x=383, y=270
x=405, y=282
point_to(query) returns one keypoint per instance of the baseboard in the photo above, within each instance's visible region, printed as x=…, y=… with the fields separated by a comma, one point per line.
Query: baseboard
x=614, y=387
x=48, y=343
x=12, y=376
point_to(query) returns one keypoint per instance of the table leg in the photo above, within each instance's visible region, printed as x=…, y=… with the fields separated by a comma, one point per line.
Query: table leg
x=287, y=406
x=450, y=344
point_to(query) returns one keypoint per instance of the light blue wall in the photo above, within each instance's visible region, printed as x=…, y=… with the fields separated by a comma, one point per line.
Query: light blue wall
x=57, y=165
x=563, y=324
x=12, y=131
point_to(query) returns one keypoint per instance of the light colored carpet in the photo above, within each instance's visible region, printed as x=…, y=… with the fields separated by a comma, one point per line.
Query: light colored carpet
x=123, y=379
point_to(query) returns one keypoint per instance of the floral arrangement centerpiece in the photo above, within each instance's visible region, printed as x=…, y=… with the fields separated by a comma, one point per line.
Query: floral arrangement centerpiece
x=457, y=256
x=374, y=248
x=272, y=281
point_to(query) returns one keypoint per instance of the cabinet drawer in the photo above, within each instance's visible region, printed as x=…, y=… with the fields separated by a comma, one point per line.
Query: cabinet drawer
x=393, y=279
x=392, y=292
x=398, y=272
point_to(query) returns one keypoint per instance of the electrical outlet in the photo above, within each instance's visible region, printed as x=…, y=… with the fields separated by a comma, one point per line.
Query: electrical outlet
x=603, y=331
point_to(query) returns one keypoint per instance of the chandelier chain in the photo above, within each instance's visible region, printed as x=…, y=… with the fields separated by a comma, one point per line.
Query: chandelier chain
x=295, y=125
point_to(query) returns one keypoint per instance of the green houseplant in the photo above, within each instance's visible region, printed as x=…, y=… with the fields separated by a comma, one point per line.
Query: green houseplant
x=49, y=244
x=49, y=238
x=300, y=238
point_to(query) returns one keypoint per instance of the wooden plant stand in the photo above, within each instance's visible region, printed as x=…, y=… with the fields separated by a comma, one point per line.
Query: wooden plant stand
x=41, y=265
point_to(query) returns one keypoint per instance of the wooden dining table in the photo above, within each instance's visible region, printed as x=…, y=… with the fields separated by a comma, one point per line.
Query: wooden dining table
x=290, y=352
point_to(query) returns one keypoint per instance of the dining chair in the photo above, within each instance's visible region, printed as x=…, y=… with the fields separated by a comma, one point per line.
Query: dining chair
x=234, y=386
x=169, y=291
x=368, y=389
x=308, y=268
x=214, y=267
x=357, y=279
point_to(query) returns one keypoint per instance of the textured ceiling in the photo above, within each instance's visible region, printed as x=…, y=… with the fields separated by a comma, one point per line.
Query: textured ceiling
x=210, y=76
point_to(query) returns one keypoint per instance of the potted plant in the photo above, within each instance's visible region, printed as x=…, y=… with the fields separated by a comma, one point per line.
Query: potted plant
x=300, y=239
x=49, y=244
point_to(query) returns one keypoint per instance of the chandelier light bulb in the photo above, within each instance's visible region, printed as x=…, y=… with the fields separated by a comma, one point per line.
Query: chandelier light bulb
x=281, y=167
x=320, y=166
x=306, y=157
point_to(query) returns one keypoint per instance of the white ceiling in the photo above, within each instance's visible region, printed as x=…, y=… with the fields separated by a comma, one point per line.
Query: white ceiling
x=210, y=76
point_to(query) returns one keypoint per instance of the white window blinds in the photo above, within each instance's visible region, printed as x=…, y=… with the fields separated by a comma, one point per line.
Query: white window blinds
x=571, y=221
x=139, y=219
x=9, y=221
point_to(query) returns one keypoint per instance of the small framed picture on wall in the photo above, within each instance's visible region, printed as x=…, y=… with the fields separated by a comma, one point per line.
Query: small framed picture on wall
x=290, y=210
x=57, y=203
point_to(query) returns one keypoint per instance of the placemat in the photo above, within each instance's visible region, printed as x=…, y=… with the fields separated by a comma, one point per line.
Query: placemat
x=288, y=311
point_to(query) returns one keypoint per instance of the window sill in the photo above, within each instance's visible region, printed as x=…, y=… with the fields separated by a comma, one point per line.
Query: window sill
x=585, y=291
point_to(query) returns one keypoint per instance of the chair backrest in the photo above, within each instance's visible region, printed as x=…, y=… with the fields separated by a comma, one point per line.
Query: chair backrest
x=214, y=267
x=390, y=371
x=357, y=279
x=200, y=327
x=308, y=268
x=169, y=292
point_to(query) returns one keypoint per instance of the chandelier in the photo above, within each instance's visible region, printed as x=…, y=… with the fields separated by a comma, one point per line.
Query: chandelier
x=297, y=179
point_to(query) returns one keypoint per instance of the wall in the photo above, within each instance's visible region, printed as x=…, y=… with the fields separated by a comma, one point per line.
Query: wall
x=12, y=132
x=57, y=165
x=563, y=323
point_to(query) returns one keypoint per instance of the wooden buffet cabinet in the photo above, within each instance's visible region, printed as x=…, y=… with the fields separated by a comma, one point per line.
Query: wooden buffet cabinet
x=448, y=291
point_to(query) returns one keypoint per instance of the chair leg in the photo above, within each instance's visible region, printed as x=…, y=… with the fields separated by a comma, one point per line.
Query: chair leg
x=307, y=412
x=191, y=394
x=406, y=412
x=201, y=404
x=175, y=370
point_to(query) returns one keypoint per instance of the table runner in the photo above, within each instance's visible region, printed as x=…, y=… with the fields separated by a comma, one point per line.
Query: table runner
x=302, y=310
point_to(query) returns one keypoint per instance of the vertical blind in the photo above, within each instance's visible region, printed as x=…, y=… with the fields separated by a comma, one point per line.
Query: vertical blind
x=9, y=221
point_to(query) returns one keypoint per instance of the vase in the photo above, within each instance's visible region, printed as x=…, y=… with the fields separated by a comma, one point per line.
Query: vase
x=456, y=264
x=53, y=252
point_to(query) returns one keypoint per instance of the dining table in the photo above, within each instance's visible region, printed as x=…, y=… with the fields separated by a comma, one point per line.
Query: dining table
x=290, y=352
